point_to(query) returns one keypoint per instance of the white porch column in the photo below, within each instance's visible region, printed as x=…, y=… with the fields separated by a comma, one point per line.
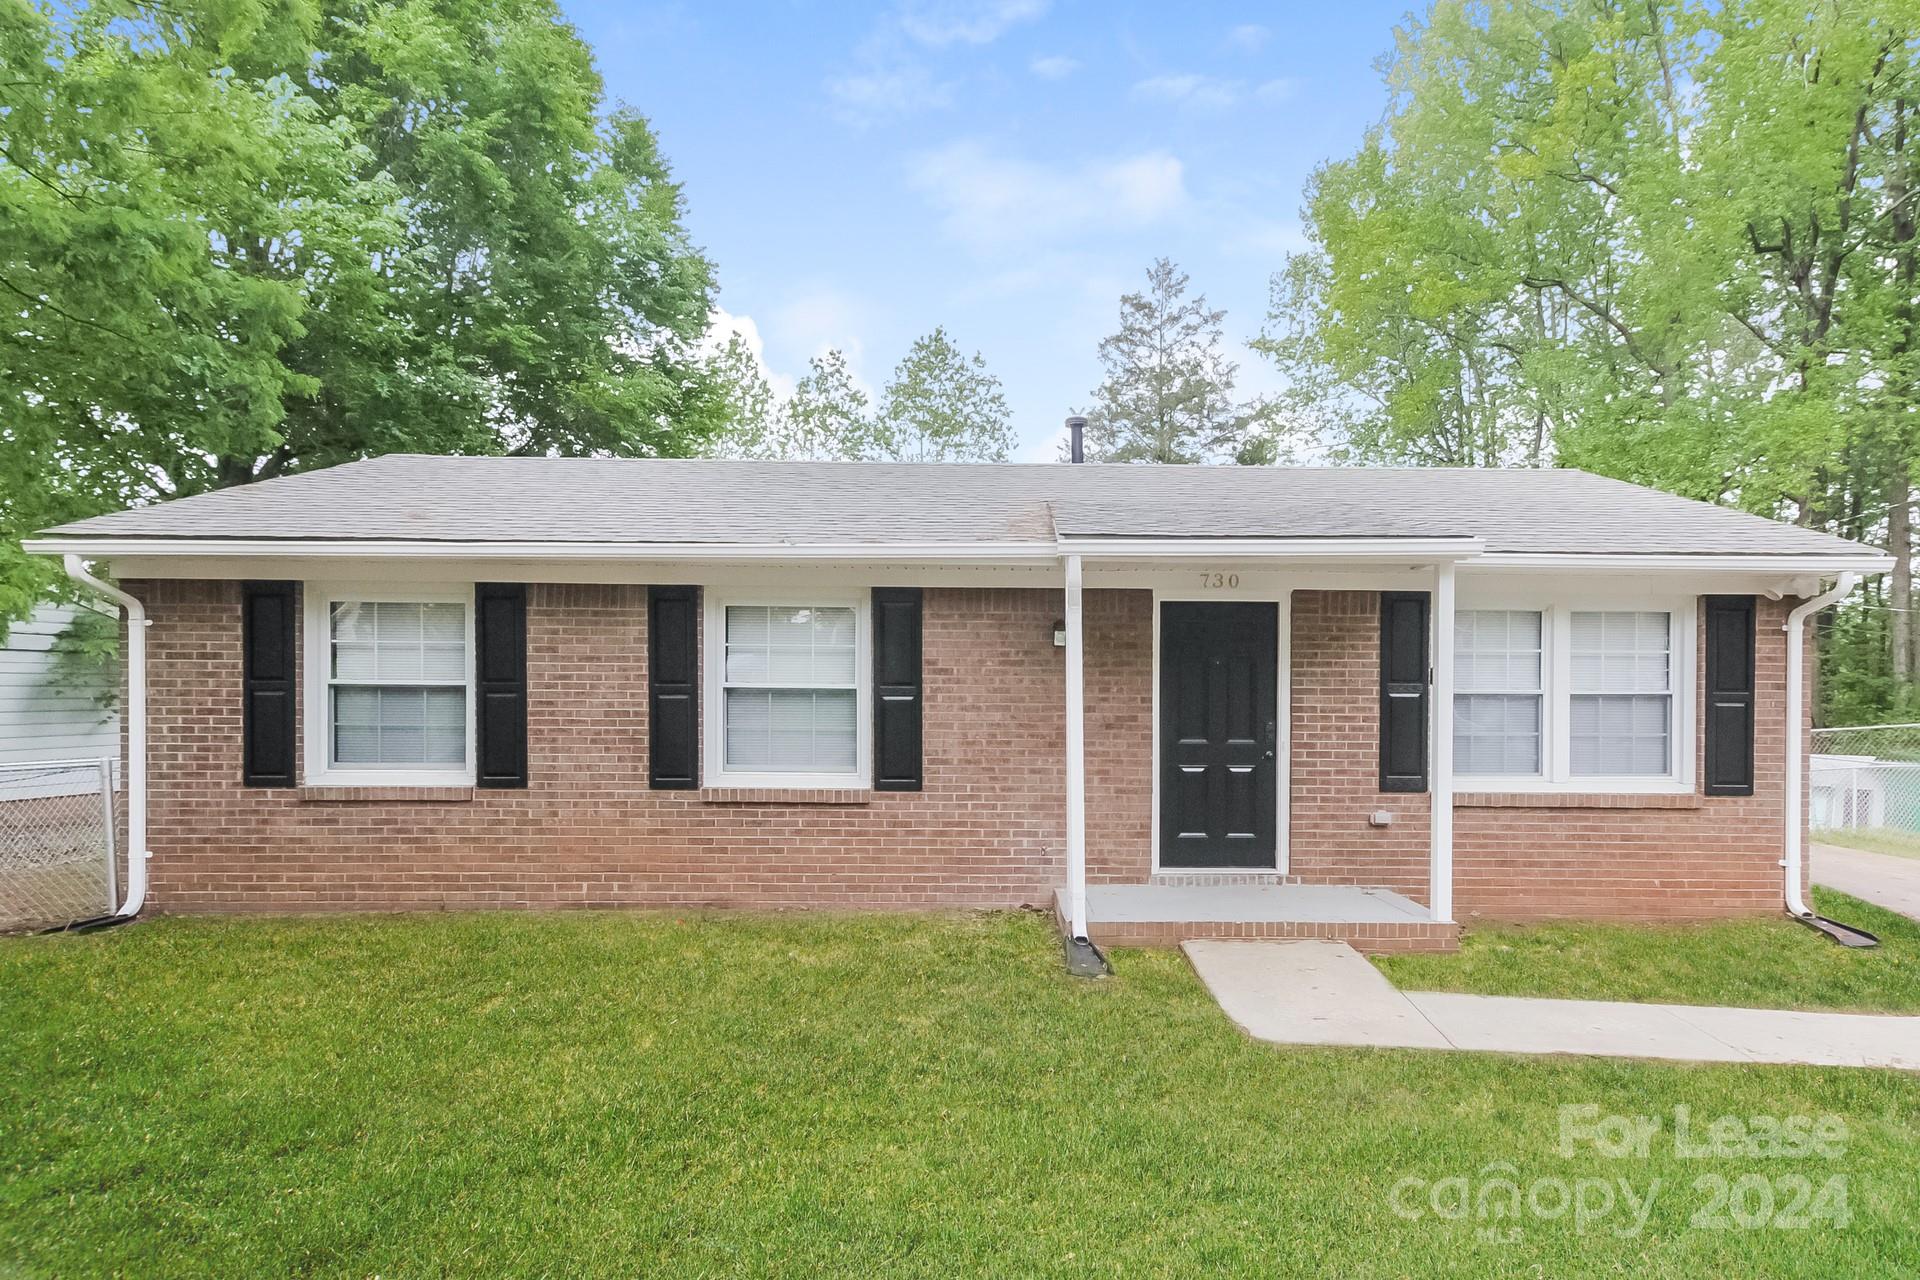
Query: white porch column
x=1076, y=762
x=1440, y=759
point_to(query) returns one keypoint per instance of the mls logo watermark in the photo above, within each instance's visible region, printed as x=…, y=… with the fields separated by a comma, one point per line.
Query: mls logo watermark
x=1500, y=1202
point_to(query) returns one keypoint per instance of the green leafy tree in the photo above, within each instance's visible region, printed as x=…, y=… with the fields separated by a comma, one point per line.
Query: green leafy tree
x=828, y=416
x=943, y=406
x=247, y=238
x=939, y=406
x=749, y=407
x=1168, y=391
x=1666, y=240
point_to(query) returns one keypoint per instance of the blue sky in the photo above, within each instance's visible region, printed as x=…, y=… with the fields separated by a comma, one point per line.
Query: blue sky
x=1007, y=168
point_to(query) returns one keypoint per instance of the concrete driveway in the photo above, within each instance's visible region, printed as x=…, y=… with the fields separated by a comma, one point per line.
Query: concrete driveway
x=1880, y=878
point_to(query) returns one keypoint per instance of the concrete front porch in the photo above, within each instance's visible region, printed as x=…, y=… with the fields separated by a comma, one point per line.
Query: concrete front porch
x=1164, y=915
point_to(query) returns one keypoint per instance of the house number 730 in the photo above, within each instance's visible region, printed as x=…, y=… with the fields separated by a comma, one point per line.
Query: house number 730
x=1219, y=579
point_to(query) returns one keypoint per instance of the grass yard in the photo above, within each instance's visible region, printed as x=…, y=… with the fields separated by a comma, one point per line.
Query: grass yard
x=628, y=1094
x=1769, y=963
x=1903, y=844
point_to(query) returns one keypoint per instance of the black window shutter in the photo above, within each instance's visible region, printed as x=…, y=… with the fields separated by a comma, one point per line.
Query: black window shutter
x=268, y=640
x=673, y=688
x=1405, y=682
x=896, y=689
x=500, y=663
x=1730, y=691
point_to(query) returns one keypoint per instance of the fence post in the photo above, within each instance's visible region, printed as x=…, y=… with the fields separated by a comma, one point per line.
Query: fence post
x=112, y=836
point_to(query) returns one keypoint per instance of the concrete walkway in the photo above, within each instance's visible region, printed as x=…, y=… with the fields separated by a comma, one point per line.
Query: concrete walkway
x=1327, y=993
x=1883, y=879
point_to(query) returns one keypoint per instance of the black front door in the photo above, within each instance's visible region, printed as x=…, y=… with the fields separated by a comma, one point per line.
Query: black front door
x=1218, y=668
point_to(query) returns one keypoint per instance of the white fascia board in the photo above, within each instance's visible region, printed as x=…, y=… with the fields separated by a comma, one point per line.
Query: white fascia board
x=124, y=548
x=1865, y=562
x=1423, y=550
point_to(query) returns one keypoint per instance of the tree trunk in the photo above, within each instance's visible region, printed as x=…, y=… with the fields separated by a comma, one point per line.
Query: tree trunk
x=1900, y=544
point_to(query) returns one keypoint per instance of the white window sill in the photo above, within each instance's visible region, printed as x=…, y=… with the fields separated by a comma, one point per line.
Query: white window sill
x=785, y=782
x=1463, y=783
x=388, y=778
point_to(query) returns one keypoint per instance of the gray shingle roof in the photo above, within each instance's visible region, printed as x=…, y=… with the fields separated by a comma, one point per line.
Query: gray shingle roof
x=568, y=500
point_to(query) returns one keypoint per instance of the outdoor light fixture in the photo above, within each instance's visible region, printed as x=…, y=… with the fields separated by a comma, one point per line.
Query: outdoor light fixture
x=1059, y=635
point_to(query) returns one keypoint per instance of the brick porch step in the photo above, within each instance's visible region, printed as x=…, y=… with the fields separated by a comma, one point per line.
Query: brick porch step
x=1165, y=915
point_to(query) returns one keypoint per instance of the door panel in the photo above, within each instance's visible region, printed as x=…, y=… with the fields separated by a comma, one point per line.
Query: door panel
x=1218, y=734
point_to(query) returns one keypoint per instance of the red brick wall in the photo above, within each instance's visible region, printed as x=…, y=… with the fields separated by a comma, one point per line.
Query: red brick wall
x=1335, y=749
x=1638, y=858
x=1522, y=857
x=986, y=831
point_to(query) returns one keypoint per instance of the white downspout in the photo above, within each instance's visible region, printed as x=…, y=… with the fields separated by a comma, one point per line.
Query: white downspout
x=1076, y=764
x=1795, y=843
x=137, y=853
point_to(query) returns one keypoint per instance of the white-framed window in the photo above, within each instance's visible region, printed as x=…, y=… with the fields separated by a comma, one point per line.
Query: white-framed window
x=1499, y=684
x=1584, y=695
x=389, y=685
x=1620, y=714
x=788, y=689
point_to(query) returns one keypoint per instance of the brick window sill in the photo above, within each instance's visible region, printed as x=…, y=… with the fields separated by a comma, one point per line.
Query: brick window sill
x=1575, y=800
x=386, y=795
x=785, y=795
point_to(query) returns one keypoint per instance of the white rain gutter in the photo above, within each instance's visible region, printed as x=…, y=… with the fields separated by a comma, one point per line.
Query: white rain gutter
x=1796, y=698
x=1076, y=763
x=1710, y=562
x=100, y=547
x=137, y=624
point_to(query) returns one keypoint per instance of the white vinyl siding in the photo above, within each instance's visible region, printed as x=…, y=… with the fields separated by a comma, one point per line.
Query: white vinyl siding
x=1498, y=672
x=43, y=718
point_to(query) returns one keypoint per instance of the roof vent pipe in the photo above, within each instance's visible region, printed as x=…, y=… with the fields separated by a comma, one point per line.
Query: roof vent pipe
x=1076, y=434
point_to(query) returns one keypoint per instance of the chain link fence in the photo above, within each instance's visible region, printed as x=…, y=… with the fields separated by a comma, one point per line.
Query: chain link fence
x=1865, y=787
x=59, y=848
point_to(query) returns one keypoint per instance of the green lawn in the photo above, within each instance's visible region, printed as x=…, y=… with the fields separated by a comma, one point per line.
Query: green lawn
x=1905, y=844
x=625, y=1094
x=1771, y=963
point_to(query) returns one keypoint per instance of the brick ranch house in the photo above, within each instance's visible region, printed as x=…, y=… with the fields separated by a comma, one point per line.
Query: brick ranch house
x=1167, y=701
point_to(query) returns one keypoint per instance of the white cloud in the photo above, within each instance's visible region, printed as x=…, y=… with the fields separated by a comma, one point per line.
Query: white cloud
x=891, y=75
x=1144, y=187
x=1053, y=67
x=1206, y=93
x=1250, y=36
x=723, y=326
x=899, y=89
x=820, y=320
x=1265, y=238
x=1194, y=92
x=937, y=23
x=992, y=201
